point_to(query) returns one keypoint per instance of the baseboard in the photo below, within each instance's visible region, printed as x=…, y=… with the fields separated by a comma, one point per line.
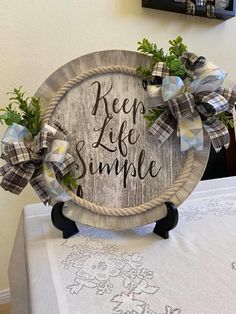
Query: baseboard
x=5, y=296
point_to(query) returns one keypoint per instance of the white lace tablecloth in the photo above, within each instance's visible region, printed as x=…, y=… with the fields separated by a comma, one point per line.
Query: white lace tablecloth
x=134, y=271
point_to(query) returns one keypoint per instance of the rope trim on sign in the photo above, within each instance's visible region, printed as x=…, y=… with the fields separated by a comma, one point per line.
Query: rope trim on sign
x=111, y=211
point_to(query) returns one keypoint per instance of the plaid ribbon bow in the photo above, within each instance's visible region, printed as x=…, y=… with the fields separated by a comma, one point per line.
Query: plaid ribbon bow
x=35, y=161
x=190, y=111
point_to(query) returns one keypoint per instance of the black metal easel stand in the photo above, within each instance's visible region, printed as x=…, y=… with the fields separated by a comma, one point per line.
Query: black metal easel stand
x=169, y=222
x=66, y=225
x=69, y=228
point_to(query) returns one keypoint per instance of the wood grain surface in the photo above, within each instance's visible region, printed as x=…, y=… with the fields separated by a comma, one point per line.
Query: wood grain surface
x=120, y=164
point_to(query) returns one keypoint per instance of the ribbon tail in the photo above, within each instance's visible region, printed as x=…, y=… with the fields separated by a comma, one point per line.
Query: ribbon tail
x=17, y=177
x=37, y=184
x=229, y=95
x=191, y=132
x=4, y=169
x=164, y=126
x=218, y=133
x=53, y=187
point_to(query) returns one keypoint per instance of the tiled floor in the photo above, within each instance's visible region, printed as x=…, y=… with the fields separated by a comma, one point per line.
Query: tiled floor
x=5, y=309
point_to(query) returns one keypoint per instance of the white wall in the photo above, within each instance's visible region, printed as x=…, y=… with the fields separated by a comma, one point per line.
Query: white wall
x=37, y=37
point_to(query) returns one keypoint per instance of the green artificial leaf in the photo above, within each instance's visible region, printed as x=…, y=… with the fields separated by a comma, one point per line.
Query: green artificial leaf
x=70, y=181
x=10, y=117
x=177, y=47
x=226, y=118
x=172, y=60
x=175, y=64
x=150, y=49
x=169, y=60
x=143, y=72
x=152, y=115
x=179, y=72
x=29, y=114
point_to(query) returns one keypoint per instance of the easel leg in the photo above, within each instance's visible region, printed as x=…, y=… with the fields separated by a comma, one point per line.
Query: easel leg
x=67, y=226
x=164, y=225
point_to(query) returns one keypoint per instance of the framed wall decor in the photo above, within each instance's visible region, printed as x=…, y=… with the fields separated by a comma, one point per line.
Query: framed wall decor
x=220, y=9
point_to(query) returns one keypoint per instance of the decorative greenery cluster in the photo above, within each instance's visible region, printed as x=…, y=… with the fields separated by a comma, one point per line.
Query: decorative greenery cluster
x=227, y=119
x=173, y=63
x=70, y=181
x=172, y=59
x=27, y=112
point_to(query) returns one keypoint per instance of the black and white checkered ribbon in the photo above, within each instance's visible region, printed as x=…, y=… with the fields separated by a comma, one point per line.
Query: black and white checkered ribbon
x=191, y=61
x=24, y=164
x=160, y=69
x=207, y=104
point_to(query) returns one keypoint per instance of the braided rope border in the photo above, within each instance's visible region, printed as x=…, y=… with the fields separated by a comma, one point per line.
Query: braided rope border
x=110, y=211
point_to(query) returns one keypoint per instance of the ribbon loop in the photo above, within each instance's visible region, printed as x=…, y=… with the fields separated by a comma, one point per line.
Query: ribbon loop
x=191, y=61
x=16, y=133
x=42, y=143
x=58, y=152
x=64, y=167
x=160, y=69
x=210, y=104
x=182, y=106
x=229, y=95
x=17, y=153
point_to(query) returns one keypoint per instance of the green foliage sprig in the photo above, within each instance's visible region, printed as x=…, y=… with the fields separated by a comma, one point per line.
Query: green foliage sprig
x=177, y=47
x=150, y=49
x=26, y=113
x=70, y=181
x=152, y=115
x=226, y=118
x=172, y=59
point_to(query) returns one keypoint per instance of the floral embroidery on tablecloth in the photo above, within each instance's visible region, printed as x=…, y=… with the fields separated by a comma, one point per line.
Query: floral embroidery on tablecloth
x=96, y=264
x=223, y=205
x=170, y=310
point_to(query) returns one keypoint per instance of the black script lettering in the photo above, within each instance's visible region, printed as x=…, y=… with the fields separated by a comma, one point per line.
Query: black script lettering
x=100, y=97
x=150, y=168
x=137, y=106
x=79, y=146
x=121, y=140
x=102, y=129
x=115, y=165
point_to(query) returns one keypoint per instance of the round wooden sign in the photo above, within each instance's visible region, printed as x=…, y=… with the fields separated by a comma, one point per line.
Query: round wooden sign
x=125, y=175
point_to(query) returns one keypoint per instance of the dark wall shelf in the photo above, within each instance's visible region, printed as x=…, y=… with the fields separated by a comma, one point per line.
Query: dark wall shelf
x=171, y=5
